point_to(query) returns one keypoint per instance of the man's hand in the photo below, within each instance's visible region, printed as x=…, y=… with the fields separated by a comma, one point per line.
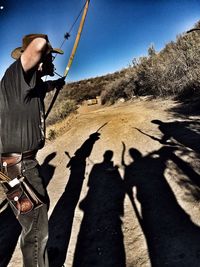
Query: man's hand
x=60, y=83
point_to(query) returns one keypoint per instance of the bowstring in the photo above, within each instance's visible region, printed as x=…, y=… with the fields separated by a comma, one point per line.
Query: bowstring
x=67, y=34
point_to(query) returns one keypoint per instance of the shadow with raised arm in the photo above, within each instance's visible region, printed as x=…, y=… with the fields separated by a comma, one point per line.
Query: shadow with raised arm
x=60, y=223
x=171, y=236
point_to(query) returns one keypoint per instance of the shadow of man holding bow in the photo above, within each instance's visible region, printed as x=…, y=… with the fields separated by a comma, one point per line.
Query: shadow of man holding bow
x=60, y=223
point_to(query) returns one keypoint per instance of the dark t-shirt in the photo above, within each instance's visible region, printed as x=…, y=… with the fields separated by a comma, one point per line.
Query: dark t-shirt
x=21, y=111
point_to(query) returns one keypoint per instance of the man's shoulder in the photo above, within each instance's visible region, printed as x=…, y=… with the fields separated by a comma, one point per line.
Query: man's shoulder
x=14, y=67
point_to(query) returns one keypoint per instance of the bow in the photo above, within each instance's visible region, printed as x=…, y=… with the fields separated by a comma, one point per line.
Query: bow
x=72, y=53
x=77, y=38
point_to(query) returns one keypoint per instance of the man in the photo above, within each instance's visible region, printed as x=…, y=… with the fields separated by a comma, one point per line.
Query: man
x=22, y=131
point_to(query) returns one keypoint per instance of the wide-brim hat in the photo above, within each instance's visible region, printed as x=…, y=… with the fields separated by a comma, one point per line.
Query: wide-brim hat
x=27, y=39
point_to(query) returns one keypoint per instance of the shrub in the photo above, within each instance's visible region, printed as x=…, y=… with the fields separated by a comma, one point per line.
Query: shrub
x=51, y=134
x=112, y=92
x=122, y=87
x=61, y=111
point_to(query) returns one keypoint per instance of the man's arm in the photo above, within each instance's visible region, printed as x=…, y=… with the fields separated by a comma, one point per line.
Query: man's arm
x=33, y=54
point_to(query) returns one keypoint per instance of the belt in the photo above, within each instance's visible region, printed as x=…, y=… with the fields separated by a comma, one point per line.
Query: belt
x=31, y=154
x=14, y=158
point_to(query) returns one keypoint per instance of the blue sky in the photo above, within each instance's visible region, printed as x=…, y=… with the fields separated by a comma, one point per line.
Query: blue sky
x=115, y=31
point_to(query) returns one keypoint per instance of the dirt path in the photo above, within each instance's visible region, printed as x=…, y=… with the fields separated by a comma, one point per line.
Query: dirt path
x=139, y=211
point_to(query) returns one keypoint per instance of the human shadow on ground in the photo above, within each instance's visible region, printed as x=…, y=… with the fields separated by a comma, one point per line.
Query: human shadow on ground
x=47, y=169
x=10, y=230
x=46, y=172
x=185, y=133
x=172, y=238
x=60, y=223
x=100, y=239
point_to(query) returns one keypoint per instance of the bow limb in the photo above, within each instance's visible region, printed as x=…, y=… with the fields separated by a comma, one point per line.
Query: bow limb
x=71, y=56
x=77, y=38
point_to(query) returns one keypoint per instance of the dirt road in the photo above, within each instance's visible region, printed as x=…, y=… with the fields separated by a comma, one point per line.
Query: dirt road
x=127, y=195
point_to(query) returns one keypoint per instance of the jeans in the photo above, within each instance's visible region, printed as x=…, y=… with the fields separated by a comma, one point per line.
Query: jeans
x=34, y=224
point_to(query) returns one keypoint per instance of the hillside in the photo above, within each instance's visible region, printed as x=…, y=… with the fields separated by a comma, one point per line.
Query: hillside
x=124, y=196
x=171, y=72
